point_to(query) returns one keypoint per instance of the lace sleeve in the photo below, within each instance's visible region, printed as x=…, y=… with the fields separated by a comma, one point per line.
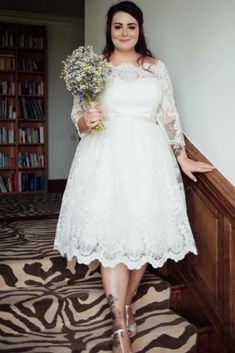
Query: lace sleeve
x=76, y=114
x=167, y=115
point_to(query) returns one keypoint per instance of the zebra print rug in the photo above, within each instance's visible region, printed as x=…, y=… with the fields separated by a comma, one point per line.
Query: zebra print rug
x=49, y=305
x=34, y=206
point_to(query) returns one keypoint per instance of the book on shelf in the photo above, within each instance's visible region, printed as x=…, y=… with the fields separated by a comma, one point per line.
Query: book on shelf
x=6, y=161
x=32, y=88
x=31, y=108
x=31, y=135
x=7, y=135
x=4, y=184
x=8, y=183
x=7, y=62
x=7, y=87
x=27, y=41
x=41, y=134
x=31, y=182
x=37, y=107
x=7, y=109
x=31, y=160
x=30, y=65
x=7, y=39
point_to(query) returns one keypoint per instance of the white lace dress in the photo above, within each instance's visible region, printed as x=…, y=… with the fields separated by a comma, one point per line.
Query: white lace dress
x=124, y=200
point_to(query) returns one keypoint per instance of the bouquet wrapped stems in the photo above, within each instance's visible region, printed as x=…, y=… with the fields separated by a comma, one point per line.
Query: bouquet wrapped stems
x=92, y=104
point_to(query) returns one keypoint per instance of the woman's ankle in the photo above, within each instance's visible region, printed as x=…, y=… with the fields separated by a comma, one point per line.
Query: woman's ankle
x=121, y=341
x=119, y=325
x=129, y=317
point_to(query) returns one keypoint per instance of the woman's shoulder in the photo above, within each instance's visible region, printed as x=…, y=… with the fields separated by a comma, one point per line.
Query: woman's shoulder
x=153, y=63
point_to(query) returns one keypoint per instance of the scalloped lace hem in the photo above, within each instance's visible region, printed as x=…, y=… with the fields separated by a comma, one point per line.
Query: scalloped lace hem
x=131, y=265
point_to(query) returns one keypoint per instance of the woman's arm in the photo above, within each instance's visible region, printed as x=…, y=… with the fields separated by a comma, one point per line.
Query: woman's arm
x=76, y=114
x=190, y=166
x=168, y=118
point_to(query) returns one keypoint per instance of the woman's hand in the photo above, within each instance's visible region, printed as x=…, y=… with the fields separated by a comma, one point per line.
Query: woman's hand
x=190, y=166
x=90, y=119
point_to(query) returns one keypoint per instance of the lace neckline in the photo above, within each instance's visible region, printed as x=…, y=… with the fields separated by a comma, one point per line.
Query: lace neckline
x=130, y=65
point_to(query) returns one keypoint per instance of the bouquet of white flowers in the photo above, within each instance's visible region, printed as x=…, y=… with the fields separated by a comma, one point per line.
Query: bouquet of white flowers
x=85, y=74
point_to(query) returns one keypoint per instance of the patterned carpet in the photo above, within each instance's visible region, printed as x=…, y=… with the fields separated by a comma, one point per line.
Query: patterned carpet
x=34, y=206
x=49, y=305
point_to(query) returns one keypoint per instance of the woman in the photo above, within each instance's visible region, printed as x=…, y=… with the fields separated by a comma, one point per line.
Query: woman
x=124, y=202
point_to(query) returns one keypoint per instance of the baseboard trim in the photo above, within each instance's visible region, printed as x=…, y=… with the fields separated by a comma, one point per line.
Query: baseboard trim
x=56, y=185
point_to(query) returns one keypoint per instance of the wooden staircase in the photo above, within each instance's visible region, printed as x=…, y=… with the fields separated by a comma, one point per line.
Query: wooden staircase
x=179, y=294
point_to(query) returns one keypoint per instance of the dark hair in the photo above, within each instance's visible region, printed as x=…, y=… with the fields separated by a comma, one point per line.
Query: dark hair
x=132, y=9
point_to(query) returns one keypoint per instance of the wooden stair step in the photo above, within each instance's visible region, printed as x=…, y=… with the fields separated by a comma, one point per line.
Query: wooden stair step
x=183, y=304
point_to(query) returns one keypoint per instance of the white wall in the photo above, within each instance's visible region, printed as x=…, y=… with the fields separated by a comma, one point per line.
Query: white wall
x=196, y=40
x=64, y=35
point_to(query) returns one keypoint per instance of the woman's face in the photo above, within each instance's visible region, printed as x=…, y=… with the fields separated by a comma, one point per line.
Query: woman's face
x=124, y=31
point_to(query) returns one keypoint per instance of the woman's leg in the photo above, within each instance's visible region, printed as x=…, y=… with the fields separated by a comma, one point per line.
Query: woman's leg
x=115, y=282
x=135, y=277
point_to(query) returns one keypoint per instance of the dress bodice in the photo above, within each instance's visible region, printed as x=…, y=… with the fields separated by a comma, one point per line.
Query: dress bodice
x=131, y=92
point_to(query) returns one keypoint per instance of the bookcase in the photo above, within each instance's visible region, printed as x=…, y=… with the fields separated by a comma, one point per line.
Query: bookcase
x=23, y=108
